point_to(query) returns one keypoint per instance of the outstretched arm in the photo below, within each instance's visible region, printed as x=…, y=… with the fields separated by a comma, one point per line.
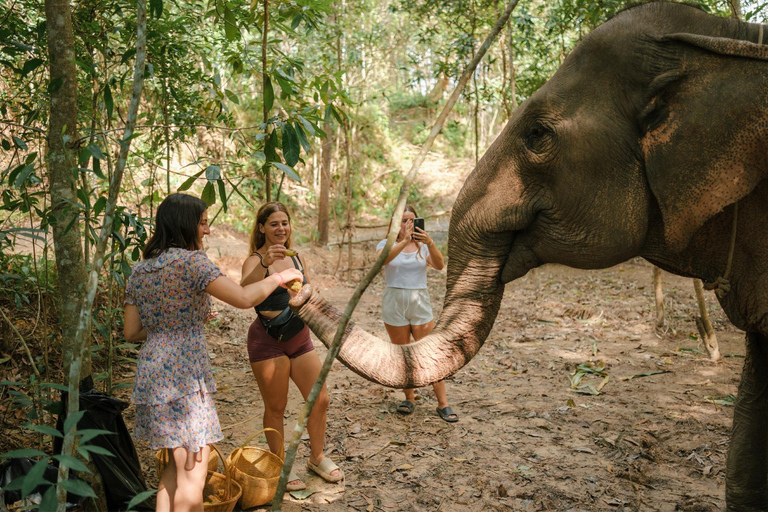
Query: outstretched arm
x=248, y=296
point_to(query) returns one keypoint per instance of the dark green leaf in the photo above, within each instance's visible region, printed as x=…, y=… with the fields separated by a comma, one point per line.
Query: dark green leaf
x=237, y=191
x=109, y=103
x=21, y=178
x=89, y=433
x=287, y=170
x=155, y=8
x=140, y=498
x=34, y=477
x=6, y=145
x=96, y=449
x=189, y=181
x=302, y=137
x=78, y=487
x=49, y=499
x=307, y=125
x=270, y=147
x=296, y=21
x=128, y=55
x=45, y=429
x=30, y=66
x=212, y=173
x=232, y=97
x=95, y=150
x=230, y=25
x=20, y=143
x=72, y=420
x=223, y=195
x=24, y=452
x=97, y=169
x=55, y=385
x=72, y=463
x=209, y=194
x=291, y=148
x=269, y=93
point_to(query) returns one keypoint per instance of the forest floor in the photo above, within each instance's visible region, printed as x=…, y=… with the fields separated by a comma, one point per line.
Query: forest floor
x=655, y=437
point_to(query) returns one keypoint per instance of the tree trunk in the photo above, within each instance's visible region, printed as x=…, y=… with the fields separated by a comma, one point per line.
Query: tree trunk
x=325, y=186
x=61, y=161
x=265, y=112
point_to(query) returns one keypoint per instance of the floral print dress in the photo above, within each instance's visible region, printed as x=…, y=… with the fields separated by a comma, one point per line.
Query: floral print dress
x=173, y=387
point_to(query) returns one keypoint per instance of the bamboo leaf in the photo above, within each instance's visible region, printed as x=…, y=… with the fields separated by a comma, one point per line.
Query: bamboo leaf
x=45, y=429
x=34, y=477
x=231, y=31
x=140, y=498
x=78, y=487
x=72, y=463
x=72, y=420
x=23, y=452
x=49, y=499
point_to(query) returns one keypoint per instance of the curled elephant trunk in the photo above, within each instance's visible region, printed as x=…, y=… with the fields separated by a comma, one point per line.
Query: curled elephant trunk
x=471, y=305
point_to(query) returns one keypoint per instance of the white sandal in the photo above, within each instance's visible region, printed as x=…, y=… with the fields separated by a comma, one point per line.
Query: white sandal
x=324, y=470
x=292, y=477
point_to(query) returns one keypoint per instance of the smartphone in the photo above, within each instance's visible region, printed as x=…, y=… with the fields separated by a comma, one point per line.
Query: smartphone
x=418, y=222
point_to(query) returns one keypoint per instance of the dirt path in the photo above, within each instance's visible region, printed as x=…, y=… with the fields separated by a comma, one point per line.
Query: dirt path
x=525, y=440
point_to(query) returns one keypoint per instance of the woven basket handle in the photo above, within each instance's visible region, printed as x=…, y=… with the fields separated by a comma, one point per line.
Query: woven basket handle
x=239, y=451
x=227, y=473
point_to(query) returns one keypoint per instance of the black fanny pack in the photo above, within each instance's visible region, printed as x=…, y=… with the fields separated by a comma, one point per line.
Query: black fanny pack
x=284, y=326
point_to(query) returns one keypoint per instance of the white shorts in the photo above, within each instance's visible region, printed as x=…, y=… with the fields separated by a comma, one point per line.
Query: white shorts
x=401, y=306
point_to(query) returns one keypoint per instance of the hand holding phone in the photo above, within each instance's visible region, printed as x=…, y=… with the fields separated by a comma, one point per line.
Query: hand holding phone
x=418, y=222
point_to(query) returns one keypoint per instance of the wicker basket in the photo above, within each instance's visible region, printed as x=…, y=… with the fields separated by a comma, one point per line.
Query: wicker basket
x=257, y=471
x=162, y=457
x=223, y=487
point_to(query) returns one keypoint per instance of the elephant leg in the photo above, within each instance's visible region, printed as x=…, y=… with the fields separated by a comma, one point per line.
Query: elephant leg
x=747, y=468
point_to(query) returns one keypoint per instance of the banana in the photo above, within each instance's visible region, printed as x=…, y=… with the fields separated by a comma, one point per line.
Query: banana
x=290, y=252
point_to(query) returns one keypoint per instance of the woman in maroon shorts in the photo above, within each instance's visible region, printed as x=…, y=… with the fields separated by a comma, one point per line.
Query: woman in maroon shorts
x=275, y=362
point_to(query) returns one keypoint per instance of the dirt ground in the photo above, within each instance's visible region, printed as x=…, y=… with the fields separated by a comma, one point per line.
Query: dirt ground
x=525, y=439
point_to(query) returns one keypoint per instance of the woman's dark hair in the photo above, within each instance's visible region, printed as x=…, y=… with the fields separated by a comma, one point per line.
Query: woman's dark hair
x=257, y=237
x=176, y=224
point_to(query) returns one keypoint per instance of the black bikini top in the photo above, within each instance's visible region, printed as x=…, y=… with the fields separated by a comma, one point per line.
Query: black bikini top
x=278, y=299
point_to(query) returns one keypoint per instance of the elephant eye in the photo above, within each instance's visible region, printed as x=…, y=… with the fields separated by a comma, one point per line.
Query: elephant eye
x=538, y=137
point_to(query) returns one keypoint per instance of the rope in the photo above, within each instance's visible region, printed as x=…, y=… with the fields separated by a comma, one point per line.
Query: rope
x=722, y=285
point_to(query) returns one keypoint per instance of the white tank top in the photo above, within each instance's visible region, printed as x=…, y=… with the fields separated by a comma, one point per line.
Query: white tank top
x=408, y=269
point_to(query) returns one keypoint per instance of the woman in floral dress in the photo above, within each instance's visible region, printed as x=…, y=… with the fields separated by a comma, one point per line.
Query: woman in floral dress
x=167, y=302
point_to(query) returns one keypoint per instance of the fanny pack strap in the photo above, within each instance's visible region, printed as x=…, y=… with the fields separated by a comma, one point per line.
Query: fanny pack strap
x=282, y=317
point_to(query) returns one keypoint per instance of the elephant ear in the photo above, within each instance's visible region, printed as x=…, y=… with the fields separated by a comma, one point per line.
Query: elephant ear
x=705, y=129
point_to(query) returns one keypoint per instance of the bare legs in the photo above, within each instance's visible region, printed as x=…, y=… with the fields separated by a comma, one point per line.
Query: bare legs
x=182, y=482
x=272, y=376
x=401, y=335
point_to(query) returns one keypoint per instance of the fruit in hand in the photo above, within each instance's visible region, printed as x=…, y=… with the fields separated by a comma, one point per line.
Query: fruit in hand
x=295, y=285
x=290, y=252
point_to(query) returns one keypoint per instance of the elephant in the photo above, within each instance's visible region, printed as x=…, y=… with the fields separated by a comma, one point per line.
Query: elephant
x=650, y=140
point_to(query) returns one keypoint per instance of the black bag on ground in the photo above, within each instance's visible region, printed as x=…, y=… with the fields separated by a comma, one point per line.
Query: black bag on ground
x=284, y=326
x=121, y=474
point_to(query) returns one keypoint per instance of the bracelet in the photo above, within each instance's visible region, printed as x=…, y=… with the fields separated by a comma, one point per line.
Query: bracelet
x=281, y=278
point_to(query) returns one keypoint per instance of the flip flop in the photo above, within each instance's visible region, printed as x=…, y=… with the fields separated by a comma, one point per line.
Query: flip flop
x=405, y=407
x=292, y=477
x=324, y=470
x=447, y=414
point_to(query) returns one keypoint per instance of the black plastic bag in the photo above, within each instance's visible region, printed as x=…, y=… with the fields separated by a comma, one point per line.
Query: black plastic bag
x=121, y=474
x=11, y=469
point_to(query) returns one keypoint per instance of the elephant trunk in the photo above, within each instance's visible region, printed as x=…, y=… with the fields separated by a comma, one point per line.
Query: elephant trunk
x=472, y=302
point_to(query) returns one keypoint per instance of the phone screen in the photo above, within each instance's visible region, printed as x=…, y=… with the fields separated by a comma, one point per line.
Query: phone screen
x=418, y=223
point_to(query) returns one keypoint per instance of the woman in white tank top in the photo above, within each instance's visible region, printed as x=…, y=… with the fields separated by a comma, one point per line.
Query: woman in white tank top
x=406, y=309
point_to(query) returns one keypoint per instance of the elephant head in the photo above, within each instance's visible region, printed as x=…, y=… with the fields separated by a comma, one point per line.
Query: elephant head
x=655, y=123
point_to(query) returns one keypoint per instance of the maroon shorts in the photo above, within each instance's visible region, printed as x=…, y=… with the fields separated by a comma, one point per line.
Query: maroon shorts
x=262, y=346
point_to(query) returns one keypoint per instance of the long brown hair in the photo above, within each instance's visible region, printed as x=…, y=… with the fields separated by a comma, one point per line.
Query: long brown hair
x=176, y=225
x=257, y=237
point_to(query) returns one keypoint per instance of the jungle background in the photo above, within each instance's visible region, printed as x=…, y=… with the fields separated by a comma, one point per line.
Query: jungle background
x=578, y=400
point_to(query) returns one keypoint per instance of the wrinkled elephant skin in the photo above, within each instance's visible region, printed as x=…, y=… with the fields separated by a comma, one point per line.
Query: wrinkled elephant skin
x=650, y=140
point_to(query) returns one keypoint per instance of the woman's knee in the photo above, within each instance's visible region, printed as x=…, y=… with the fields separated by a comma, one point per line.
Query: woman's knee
x=323, y=400
x=275, y=407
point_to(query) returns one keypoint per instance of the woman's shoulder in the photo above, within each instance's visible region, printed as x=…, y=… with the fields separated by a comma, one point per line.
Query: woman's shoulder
x=168, y=257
